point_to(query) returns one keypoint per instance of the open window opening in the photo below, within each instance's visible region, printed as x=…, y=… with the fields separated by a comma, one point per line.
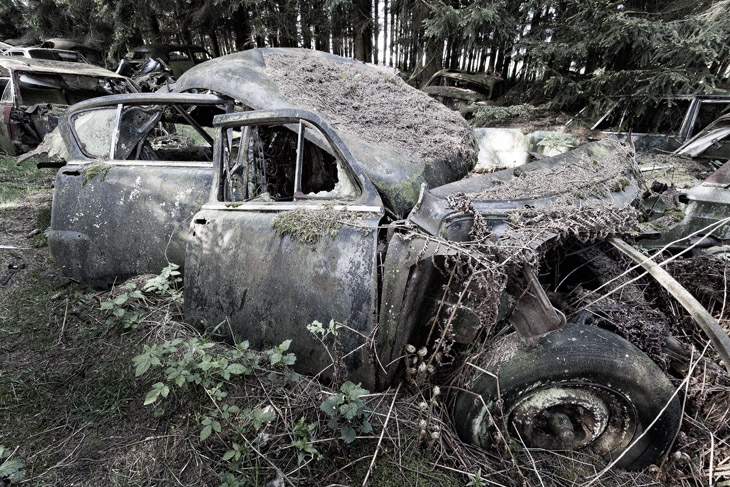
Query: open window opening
x=708, y=112
x=65, y=89
x=148, y=132
x=282, y=162
x=665, y=117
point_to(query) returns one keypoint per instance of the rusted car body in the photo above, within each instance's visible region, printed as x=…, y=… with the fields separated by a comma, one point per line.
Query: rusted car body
x=35, y=92
x=668, y=125
x=64, y=55
x=92, y=54
x=178, y=58
x=457, y=89
x=285, y=219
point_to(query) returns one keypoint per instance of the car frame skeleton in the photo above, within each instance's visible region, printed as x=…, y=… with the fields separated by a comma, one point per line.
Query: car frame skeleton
x=294, y=219
x=35, y=92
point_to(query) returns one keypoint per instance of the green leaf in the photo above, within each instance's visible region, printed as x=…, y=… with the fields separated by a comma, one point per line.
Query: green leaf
x=121, y=299
x=10, y=467
x=107, y=305
x=151, y=396
x=289, y=359
x=135, y=294
x=228, y=455
x=348, y=434
x=205, y=432
x=366, y=427
x=353, y=391
x=216, y=426
x=143, y=364
x=349, y=410
x=329, y=406
x=119, y=312
x=237, y=369
x=285, y=345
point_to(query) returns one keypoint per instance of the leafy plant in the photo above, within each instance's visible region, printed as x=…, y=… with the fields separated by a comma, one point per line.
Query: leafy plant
x=166, y=283
x=123, y=307
x=303, y=433
x=476, y=479
x=11, y=469
x=348, y=412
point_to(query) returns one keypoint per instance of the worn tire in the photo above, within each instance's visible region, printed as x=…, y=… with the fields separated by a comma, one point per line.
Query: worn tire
x=580, y=387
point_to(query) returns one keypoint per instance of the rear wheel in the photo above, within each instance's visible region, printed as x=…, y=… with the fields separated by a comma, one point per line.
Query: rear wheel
x=581, y=387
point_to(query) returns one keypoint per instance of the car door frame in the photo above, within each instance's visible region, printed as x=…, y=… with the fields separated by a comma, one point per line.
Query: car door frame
x=264, y=286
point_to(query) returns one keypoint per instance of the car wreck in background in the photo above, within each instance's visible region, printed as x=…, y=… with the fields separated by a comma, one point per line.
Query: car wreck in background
x=92, y=54
x=64, y=55
x=306, y=187
x=35, y=92
x=178, y=58
x=458, y=89
x=666, y=126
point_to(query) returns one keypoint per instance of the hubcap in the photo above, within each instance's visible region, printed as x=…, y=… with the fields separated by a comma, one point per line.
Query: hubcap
x=573, y=416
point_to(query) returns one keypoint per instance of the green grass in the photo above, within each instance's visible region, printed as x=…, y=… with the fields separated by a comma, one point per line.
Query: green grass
x=19, y=182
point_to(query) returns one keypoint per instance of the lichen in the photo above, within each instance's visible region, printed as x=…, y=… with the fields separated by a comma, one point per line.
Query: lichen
x=93, y=170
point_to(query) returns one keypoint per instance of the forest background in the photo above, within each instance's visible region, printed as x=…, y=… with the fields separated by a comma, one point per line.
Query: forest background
x=563, y=52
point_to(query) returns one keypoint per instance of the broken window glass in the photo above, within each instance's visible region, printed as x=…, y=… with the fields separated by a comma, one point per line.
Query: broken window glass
x=201, y=56
x=148, y=132
x=7, y=91
x=93, y=130
x=282, y=162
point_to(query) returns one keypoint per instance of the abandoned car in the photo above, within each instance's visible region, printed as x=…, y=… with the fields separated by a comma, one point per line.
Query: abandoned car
x=458, y=89
x=92, y=54
x=296, y=186
x=178, y=58
x=667, y=125
x=35, y=92
x=64, y=55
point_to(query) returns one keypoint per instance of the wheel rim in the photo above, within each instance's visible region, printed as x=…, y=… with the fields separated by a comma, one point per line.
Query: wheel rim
x=572, y=416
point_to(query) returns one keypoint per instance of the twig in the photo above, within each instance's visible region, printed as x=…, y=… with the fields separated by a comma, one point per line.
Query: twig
x=63, y=325
x=529, y=455
x=380, y=440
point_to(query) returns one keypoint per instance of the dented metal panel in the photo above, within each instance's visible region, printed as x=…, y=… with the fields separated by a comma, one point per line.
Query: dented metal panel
x=267, y=288
x=124, y=220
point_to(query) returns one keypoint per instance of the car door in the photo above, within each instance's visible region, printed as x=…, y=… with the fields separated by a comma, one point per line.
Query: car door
x=6, y=107
x=141, y=166
x=289, y=236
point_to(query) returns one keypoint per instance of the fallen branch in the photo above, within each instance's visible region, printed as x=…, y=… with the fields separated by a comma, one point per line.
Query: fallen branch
x=708, y=323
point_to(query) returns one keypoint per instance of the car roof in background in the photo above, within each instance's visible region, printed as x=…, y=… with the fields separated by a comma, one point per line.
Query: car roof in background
x=59, y=67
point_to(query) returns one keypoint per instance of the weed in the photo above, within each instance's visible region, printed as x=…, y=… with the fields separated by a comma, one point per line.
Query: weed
x=304, y=432
x=476, y=479
x=11, y=469
x=558, y=141
x=124, y=308
x=308, y=226
x=167, y=284
x=347, y=411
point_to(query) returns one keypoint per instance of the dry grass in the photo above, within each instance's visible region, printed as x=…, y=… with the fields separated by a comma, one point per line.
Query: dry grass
x=71, y=403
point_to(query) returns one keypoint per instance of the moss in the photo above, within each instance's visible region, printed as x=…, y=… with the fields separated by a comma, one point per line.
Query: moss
x=93, y=170
x=234, y=205
x=308, y=226
x=675, y=214
x=620, y=185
